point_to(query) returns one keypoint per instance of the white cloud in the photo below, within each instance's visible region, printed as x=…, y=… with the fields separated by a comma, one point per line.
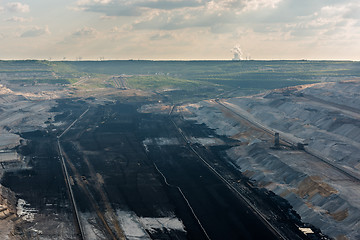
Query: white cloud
x=84, y=32
x=86, y=2
x=105, y=17
x=17, y=7
x=350, y=10
x=331, y=20
x=141, y=7
x=35, y=32
x=80, y=36
x=189, y=28
x=135, y=7
x=220, y=16
x=160, y=36
x=121, y=29
x=19, y=19
x=103, y=1
x=252, y=5
x=115, y=30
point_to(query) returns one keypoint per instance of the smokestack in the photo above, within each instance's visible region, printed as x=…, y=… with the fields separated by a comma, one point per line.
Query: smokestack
x=277, y=140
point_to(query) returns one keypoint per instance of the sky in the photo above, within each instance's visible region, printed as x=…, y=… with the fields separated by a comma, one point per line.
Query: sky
x=180, y=30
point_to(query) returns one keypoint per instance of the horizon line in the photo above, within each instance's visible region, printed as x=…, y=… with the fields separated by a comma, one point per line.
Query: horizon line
x=177, y=60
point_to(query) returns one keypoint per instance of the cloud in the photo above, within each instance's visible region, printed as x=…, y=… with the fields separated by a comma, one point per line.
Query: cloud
x=258, y=4
x=179, y=14
x=113, y=9
x=353, y=12
x=330, y=20
x=85, y=2
x=84, y=32
x=115, y=30
x=107, y=6
x=168, y=5
x=135, y=7
x=35, y=32
x=327, y=25
x=213, y=16
x=105, y=17
x=142, y=7
x=348, y=11
x=160, y=36
x=19, y=19
x=275, y=21
x=17, y=7
x=218, y=16
x=103, y=1
x=80, y=36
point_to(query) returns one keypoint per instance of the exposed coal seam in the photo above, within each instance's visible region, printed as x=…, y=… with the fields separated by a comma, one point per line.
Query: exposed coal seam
x=186, y=200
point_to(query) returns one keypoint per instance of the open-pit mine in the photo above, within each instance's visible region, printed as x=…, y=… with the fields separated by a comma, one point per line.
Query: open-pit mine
x=158, y=150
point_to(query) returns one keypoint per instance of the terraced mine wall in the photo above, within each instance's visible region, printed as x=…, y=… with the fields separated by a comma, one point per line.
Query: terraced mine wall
x=7, y=202
x=323, y=193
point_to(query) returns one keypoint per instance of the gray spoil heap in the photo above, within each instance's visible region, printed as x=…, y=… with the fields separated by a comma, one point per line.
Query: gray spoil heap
x=7, y=202
x=321, y=194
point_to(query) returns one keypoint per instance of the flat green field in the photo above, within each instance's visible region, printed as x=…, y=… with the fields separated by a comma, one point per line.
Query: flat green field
x=186, y=80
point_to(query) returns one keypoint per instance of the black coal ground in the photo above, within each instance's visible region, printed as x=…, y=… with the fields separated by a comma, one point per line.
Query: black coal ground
x=43, y=188
x=108, y=141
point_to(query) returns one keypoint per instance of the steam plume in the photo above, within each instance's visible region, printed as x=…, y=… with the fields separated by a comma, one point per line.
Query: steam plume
x=238, y=54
